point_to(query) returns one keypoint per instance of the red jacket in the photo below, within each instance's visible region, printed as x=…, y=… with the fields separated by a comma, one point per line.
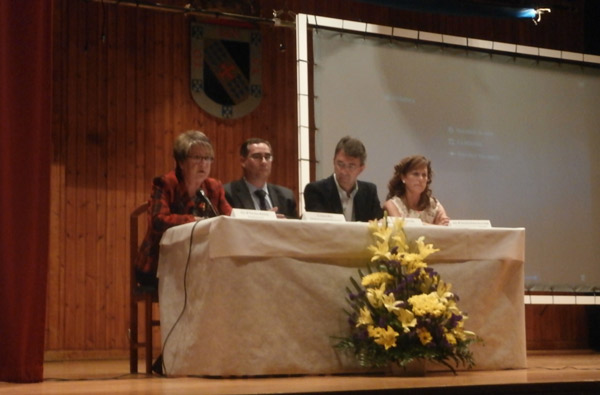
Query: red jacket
x=170, y=205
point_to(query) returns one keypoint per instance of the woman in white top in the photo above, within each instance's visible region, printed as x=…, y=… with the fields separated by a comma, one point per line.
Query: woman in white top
x=409, y=194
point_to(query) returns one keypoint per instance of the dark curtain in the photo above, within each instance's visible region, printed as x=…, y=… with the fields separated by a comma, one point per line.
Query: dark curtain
x=25, y=154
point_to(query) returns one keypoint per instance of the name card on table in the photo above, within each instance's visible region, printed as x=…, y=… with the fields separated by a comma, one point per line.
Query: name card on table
x=323, y=217
x=253, y=214
x=407, y=221
x=470, y=223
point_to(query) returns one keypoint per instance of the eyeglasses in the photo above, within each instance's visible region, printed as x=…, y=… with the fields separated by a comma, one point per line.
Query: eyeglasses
x=349, y=166
x=199, y=158
x=259, y=156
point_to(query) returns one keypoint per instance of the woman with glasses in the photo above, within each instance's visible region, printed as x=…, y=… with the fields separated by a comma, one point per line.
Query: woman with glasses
x=185, y=194
x=409, y=194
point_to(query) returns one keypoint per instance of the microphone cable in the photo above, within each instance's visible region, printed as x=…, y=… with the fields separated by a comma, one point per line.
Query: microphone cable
x=185, y=292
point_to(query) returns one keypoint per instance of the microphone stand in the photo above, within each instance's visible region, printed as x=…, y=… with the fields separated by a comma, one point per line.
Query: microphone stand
x=200, y=194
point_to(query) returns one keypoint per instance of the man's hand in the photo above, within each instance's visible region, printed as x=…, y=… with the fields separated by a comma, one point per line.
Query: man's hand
x=275, y=209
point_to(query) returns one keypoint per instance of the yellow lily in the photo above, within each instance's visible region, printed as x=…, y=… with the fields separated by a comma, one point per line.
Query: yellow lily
x=384, y=337
x=390, y=303
x=407, y=319
x=425, y=249
x=374, y=296
x=380, y=251
x=365, y=317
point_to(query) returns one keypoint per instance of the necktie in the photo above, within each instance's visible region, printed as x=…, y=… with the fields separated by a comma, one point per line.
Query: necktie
x=261, y=198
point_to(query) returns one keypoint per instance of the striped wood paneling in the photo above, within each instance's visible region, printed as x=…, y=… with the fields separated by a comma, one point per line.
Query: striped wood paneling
x=121, y=96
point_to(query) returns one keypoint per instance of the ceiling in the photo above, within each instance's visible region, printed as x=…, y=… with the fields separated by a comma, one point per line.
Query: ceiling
x=485, y=8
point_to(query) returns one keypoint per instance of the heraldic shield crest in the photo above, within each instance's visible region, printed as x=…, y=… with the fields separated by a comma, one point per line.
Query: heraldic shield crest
x=225, y=69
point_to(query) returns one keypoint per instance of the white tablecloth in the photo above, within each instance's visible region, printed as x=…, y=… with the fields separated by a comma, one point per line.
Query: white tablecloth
x=254, y=297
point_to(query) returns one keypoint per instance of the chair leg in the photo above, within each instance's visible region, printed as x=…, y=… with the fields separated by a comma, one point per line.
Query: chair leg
x=133, y=337
x=148, y=328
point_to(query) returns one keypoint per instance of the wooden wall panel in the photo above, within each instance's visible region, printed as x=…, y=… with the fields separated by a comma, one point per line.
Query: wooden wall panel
x=554, y=327
x=121, y=95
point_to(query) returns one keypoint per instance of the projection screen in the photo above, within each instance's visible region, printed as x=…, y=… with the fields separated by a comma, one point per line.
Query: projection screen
x=512, y=139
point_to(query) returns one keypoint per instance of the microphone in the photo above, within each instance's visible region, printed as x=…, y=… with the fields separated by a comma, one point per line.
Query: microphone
x=195, y=210
x=200, y=194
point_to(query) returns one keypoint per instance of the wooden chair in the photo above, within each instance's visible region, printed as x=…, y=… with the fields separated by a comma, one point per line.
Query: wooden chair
x=139, y=293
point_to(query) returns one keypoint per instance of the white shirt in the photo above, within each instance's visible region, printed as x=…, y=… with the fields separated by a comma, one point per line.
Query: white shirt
x=255, y=199
x=347, y=200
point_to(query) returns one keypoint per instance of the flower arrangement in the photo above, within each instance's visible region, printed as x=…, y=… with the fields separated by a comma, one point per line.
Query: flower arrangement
x=401, y=310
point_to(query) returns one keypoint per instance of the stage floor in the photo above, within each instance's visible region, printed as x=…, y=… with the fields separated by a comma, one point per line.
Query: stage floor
x=556, y=372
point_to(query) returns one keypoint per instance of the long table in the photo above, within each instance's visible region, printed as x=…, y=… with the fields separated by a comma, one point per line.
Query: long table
x=242, y=297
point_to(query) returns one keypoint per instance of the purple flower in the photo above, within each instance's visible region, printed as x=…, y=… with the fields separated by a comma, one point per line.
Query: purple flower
x=454, y=320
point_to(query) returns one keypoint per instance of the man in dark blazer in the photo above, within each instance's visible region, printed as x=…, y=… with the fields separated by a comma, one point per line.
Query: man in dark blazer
x=256, y=158
x=341, y=192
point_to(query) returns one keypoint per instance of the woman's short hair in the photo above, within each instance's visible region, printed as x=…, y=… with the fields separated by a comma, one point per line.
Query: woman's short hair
x=185, y=141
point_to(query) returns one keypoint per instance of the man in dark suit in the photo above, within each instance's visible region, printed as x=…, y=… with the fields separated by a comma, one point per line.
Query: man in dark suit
x=341, y=192
x=252, y=191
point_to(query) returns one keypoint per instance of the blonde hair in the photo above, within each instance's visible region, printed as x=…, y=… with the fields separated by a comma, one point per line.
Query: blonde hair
x=184, y=142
